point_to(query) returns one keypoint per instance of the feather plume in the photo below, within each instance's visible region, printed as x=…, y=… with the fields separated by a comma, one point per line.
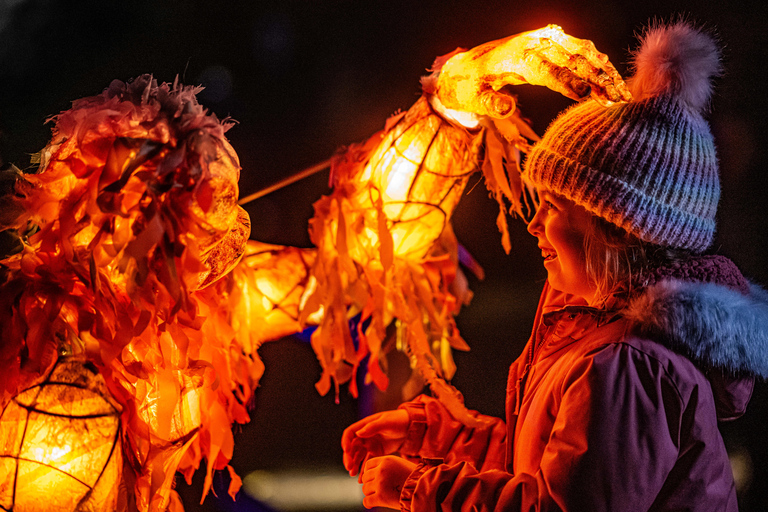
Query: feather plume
x=678, y=59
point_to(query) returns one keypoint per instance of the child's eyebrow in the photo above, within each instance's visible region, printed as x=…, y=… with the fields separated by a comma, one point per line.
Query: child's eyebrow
x=544, y=192
x=551, y=196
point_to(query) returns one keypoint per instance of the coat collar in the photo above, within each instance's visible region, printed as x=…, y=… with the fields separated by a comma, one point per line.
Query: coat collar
x=722, y=330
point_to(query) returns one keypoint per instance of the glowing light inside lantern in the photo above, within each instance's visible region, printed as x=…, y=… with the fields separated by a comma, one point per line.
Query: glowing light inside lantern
x=400, y=176
x=50, y=455
x=411, y=176
x=271, y=280
x=60, y=440
x=267, y=287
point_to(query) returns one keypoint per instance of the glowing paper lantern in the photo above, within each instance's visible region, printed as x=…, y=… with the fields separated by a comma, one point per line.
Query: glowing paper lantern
x=137, y=232
x=270, y=282
x=60, y=444
x=135, y=221
x=385, y=247
x=415, y=178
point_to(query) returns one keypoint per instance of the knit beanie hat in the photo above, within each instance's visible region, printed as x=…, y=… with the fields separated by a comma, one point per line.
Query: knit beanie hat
x=648, y=166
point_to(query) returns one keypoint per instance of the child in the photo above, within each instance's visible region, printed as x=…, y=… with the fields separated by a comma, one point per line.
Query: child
x=640, y=343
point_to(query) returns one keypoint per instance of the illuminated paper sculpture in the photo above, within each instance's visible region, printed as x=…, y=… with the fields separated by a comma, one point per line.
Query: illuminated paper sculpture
x=475, y=80
x=269, y=284
x=126, y=232
x=378, y=254
x=385, y=245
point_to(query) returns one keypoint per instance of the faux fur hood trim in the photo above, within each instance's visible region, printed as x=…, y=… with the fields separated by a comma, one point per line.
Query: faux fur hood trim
x=714, y=326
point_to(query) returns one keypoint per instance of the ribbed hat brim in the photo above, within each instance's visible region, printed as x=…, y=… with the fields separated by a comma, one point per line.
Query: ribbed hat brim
x=648, y=167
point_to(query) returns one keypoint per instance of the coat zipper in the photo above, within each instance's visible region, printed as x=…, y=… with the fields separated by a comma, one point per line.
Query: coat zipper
x=534, y=347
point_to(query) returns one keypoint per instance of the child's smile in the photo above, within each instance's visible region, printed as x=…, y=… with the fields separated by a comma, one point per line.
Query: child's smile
x=560, y=226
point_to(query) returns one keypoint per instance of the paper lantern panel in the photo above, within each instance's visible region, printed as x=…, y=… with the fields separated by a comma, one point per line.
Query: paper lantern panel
x=59, y=441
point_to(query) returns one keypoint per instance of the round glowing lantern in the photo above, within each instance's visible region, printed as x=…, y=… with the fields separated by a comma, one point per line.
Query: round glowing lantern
x=415, y=177
x=60, y=444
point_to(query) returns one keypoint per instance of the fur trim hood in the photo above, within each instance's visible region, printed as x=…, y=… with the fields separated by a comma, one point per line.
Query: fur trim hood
x=721, y=330
x=711, y=324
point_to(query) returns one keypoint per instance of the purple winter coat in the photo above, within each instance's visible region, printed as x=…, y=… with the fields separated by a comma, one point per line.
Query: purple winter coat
x=606, y=410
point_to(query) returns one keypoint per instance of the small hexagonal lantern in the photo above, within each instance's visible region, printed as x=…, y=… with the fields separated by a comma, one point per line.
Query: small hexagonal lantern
x=60, y=443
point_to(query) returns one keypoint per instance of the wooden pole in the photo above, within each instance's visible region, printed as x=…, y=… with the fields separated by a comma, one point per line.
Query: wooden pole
x=286, y=181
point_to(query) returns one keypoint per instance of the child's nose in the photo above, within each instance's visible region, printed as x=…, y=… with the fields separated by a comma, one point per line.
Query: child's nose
x=534, y=227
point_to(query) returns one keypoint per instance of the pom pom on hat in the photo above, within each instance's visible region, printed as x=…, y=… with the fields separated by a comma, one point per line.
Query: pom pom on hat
x=677, y=59
x=648, y=166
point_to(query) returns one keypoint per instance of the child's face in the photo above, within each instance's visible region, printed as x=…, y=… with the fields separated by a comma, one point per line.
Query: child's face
x=560, y=226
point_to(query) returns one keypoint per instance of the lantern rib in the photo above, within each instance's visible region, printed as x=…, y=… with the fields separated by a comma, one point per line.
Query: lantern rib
x=30, y=408
x=103, y=467
x=420, y=168
x=21, y=443
x=279, y=304
x=180, y=442
x=73, y=477
x=290, y=315
x=460, y=175
x=421, y=203
x=57, y=383
x=399, y=136
x=438, y=205
x=473, y=168
x=413, y=123
x=453, y=186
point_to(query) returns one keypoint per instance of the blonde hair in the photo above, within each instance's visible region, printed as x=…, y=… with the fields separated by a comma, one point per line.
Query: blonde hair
x=618, y=262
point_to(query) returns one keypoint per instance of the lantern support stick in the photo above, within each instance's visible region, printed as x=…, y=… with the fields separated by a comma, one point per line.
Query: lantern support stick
x=287, y=181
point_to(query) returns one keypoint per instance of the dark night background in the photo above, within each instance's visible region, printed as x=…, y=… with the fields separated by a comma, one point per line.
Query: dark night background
x=305, y=77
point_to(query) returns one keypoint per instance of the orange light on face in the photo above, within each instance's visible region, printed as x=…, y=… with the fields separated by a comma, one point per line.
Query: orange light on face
x=59, y=442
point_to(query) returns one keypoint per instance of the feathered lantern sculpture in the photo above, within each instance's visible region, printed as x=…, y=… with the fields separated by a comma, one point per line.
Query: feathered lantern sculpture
x=126, y=230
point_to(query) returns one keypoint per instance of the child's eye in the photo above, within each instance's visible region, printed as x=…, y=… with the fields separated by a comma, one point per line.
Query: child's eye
x=545, y=205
